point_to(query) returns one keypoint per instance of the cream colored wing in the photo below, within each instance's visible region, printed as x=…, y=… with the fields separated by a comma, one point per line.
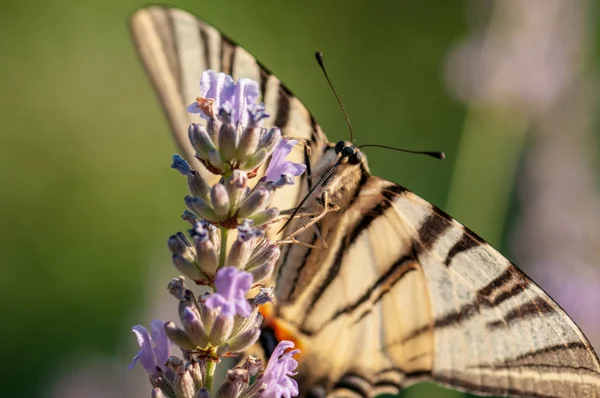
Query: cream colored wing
x=406, y=293
x=176, y=47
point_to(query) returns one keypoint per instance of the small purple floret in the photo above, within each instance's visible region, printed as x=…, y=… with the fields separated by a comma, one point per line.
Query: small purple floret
x=238, y=98
x=246, y=232
x=279, y=372
x=154, y=350
x=279, y=167
x=232, y=286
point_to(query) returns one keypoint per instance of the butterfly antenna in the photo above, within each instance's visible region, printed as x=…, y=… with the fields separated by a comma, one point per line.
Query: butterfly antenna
x=319, y=56
x=437, y=155
x=313, y=189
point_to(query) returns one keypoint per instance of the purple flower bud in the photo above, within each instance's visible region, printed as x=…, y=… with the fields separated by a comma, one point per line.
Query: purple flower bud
x=184, y=383
x=220, y=200
x=196, y=372
x=178, y=243
x=266, y=252
x=261, y=272
x=239, y=253
x=278, y=165
x=189, y=217
x=235, y=382
x=215, y=159
x=221, y=330
x=265, y=216
x=247, y=232
x=264, y=296
x=178, y=336
x=201, y=208
x=202, y=393
x=194, y=327
x=279, y=372
x=206, y=253
x=158, y=393
x=227, y=141
x=181, y=165
x=236, y=185
x=188, y=268
x=200, y=140
x=244, y=340
x=154, y=350
x=253, y=203
x=252, y=365
x=232, y=286
x=255, y=160
x=198, y=187
x=177, y=288
x=270, y=139
x=248, y=142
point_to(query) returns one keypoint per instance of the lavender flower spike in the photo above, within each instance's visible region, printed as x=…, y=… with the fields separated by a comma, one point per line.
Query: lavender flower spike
x=277, y=375
x=154, y=350
x=218, y=91
x=280, y=169
x=232, y=286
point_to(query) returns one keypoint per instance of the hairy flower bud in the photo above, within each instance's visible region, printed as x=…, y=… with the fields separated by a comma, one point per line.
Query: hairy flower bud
x=243, y=340
x=221, y=330
x=253, y=161
x=207, y=255
x=201, y=208
x=263, y=253
x=261, y=272
x=263, y=217
x=236, y=186
x=270, y=139
x=235, y=382
x=253, y=203
x=200, y=140
x=239, y=253
x=220, y=200
x=227, y=141
x=184, y=383
x=194, y=328
x=179, y=337
x=248, y=144
x=198, y=187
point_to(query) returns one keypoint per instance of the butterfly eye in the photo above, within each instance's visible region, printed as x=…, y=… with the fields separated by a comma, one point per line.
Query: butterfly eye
x=348, y=151
x=355, y=158
x=339, y=146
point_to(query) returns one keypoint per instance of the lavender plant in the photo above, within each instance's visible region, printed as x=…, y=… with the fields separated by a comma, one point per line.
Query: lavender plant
x=221, y=321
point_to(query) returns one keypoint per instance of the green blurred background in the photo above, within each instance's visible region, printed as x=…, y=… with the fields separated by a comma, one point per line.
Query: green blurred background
x=88, y=198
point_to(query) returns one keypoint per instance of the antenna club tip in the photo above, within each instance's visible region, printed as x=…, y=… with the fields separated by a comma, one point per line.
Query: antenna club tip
x=442, y=156
x=319, y=56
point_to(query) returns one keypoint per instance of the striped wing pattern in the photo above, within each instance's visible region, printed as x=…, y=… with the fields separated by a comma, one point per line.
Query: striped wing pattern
x=407, y=293
x=176, y=47
x=404, y=292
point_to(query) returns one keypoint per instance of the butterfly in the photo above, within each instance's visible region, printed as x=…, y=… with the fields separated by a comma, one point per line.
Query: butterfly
x=403, y=292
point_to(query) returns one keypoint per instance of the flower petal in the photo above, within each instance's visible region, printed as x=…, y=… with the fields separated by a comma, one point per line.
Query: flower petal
x=277, y=375
x=245, y=95
x=164, y=346
x=146, y=354
x=279, y=166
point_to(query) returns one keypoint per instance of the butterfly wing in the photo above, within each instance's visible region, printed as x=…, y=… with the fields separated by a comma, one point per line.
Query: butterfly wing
x=404, y=291
x=407, y=293
x=176, y=47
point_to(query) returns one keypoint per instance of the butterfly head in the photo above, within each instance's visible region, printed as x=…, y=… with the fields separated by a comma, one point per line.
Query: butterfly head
x=348, y=153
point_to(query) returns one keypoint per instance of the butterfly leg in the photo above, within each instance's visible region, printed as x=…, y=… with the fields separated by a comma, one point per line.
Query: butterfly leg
x=327, y=208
